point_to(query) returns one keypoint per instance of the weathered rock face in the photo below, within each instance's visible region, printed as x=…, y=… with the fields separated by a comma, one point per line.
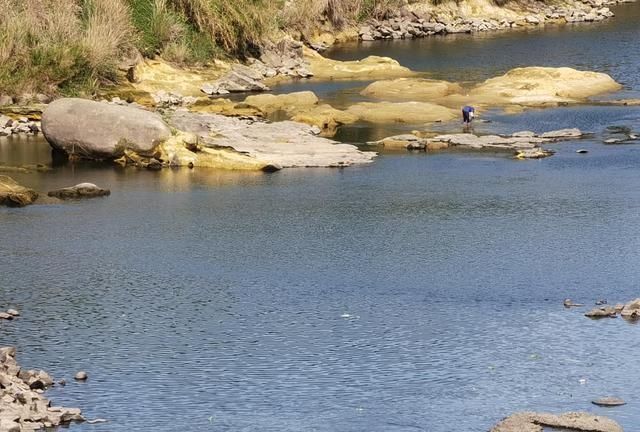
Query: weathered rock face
x=402, y=112
x=406, y=89
x=22, y=405
x=281, y=144
x=268, y=103
x=82, y=190
x=94, y=130
x=574, y=422
x=535, y=86
x=14, y=195
x=369, y=68
x=303, y=107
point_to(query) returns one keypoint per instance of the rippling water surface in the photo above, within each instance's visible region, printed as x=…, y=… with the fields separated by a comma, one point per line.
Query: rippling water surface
x=421, y=293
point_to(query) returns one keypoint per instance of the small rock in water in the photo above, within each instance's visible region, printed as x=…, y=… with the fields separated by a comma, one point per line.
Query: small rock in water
x=568, y=303
x=13, y=312
x=582, y=151
x=62, y=382
x=601, y=302
x=609, y=402
x=602, y=312
x=81, y=376
x=5, y=316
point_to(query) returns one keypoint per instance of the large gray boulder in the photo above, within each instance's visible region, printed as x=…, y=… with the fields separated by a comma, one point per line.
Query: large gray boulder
x=97, y=130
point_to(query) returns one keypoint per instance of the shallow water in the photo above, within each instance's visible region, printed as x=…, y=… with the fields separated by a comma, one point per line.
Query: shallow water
x=423, y=292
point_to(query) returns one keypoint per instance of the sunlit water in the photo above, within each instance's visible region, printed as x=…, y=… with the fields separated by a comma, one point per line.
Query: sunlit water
x=421, y=293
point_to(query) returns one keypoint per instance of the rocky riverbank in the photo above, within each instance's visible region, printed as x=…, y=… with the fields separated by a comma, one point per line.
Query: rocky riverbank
x=472, y=16
x=570, y=422
x=23, y=406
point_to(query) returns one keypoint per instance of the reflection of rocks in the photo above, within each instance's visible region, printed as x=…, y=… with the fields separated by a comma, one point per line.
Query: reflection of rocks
x=13, y=194
x=94, y=130
x=284, y=144
x=22, y=405
x=82, y=190
x=571, y=422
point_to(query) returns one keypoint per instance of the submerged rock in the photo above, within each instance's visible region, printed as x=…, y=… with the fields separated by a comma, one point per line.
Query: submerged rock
x=94, y=130
x=82, y=190
x=572, y=422
x=13, y=194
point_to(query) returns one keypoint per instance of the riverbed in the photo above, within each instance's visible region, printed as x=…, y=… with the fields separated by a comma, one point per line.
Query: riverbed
x=420, y=293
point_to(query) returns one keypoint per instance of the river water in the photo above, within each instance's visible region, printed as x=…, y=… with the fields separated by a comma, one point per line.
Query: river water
x=421, y=293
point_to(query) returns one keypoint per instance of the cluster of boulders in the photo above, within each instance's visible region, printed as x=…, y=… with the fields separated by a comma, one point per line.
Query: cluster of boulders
x=22, y=125
x=630, y=310
x=25, y=99
x=524, y=145
x=23, y=407
x=284, y=58
x=165, y=99
x=9, y=314
x=407, y=24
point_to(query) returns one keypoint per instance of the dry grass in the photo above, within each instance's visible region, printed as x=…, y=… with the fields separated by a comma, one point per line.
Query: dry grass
x=305, y=15
x=47, y=45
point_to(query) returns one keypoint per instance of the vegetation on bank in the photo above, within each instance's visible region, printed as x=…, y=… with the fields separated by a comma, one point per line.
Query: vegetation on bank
x=74, y=46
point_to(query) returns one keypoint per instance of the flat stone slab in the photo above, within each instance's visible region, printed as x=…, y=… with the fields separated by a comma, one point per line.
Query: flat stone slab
x=286, y=144
x=576, y=421
x=609, y=402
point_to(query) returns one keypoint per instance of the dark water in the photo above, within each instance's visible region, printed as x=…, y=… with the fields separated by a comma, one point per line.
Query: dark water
x=421, y=293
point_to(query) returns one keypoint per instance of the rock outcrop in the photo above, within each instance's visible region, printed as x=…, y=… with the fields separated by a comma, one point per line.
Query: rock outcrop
x=571, y=422
x=23, y=407
x=13, y=194
x=284, y=144
x=407, y=89
x=523, y=145
x=370, y=68
x=539, y=86
x=94, y=130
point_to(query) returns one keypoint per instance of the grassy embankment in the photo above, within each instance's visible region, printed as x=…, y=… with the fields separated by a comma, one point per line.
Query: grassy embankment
x=75, y=46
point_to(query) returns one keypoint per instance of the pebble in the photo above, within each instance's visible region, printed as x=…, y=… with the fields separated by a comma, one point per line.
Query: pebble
x=81, y=376
x=13, y=312
x=582, y=151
